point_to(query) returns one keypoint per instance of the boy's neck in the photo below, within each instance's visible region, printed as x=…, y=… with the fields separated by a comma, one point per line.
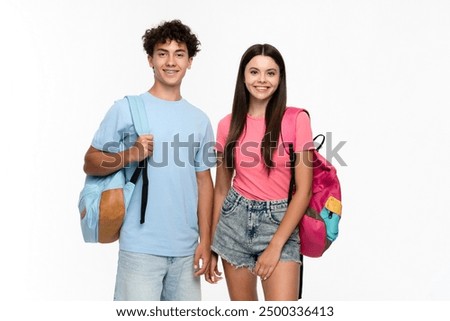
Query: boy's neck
x=165, y=93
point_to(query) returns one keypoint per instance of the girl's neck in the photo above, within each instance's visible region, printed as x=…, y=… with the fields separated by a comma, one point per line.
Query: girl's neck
x=257, y=109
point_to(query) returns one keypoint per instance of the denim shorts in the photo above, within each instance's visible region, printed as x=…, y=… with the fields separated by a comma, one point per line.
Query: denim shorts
x=246, y=227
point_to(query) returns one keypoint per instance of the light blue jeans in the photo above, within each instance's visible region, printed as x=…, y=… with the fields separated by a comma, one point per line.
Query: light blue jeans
x=145, y=277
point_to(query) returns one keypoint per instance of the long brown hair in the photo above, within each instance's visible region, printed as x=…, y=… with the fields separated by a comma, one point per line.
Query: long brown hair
x=274, y=111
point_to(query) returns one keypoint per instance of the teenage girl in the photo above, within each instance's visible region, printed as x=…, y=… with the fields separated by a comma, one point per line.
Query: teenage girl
x=254, y=230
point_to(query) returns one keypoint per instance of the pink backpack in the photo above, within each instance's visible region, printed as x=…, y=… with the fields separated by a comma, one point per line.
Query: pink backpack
x=319, y=226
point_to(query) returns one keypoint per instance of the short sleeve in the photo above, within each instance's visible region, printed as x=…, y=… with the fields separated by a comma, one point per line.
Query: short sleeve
x=115, y=129
x=303, y=132
x=205, y=158
x=222, y=133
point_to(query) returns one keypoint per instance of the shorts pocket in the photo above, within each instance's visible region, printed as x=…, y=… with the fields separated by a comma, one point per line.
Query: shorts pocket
x=276, y=215
x=229, y=205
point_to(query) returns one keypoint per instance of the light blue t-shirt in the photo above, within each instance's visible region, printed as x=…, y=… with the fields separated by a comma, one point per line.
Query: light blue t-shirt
x=183, y=145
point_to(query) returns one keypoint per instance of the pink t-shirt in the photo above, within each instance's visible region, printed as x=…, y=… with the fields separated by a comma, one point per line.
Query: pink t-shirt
x=251, y=176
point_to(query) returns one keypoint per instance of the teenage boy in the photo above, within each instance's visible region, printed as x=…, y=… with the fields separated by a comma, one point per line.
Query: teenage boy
x=163, y=258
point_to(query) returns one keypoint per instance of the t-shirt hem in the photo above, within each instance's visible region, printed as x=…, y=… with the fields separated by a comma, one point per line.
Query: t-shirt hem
x=158, y=253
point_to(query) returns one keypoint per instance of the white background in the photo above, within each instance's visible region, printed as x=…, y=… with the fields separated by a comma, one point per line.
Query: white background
x=374, y=73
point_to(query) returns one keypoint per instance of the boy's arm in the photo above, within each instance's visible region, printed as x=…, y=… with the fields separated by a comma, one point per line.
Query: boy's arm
x=204, y=212
x=100, y=163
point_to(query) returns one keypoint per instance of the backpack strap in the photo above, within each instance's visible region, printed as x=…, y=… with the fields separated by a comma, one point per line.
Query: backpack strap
x=288, y=127
x=288, y=137
x=289, y=123
x=140, y=122
x=138, y=114
x=291, y=192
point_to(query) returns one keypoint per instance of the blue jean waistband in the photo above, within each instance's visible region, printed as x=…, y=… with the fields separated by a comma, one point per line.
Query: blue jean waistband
x=234, y=195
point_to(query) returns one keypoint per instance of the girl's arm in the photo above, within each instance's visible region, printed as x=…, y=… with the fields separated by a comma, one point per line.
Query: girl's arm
x=222, y=186
x=303, y=179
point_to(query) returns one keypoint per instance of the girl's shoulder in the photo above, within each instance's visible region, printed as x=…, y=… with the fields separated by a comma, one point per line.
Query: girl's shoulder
x=226, y=118
x=224, y=123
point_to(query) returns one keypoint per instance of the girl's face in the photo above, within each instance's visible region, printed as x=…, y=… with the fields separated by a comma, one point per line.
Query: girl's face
x=262, y=76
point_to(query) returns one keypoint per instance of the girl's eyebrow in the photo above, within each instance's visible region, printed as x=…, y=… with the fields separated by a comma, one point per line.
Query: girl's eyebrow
x=270, y=69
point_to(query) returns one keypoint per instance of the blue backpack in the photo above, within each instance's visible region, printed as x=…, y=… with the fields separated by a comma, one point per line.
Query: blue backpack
x=104, y=200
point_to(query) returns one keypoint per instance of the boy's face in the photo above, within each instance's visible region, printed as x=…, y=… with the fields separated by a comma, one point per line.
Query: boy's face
x=170, y=61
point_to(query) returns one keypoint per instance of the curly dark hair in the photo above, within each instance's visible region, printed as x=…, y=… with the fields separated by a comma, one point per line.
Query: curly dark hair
x=171, y=30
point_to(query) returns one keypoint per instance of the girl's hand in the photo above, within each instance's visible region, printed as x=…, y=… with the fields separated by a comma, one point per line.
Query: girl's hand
x=267, y=262
x=213, y=275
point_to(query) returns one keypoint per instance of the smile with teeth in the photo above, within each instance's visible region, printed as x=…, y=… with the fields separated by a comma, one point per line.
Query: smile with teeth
x=170, y=71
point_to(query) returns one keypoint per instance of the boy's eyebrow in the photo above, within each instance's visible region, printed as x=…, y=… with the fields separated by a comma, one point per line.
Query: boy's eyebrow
x=165, y=50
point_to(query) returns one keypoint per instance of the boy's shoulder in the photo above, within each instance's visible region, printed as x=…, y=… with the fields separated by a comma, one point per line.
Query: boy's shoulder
x=193, y=112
